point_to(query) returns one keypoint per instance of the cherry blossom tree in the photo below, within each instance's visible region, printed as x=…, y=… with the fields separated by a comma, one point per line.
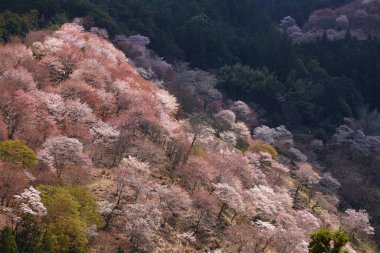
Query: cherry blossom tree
x=239, y=237
x=30, y=202
x=15, y=55
x=61, y=152
x=106, y=209
x=307, y=175
x=20, y=114
x=135, y=47
x=229, y=137
x=229, y=197
x=59, y=69
x=100, y=32
x=245, y=114
x=225, y=119
x=75, y=111
x=308, y=178
x=142, y=222
x=206, y=209
x=168, y=101
x=357, y=221
x=247, y=238
x=243, y=135
x=93, y=72
x=197, y=172
x=12, y=182
x=17, y=78
x=104, y=133
x=265, y=202
x=134, y=174
x=307, y=221
x=175, y=200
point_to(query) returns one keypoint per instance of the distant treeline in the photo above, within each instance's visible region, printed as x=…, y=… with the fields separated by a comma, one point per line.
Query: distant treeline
x=310, y=87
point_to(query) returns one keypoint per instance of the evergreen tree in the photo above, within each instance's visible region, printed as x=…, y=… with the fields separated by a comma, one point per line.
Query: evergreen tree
x=47, y=244
x=8, y=241
x=28, y=235
x=327, y=241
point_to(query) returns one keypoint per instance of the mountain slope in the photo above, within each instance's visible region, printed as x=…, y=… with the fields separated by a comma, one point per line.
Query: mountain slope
x=108, y=144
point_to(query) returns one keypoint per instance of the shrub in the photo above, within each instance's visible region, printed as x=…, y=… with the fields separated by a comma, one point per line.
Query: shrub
x=325, y=240
x=198, y=149
x=17, y=152
x=8, y=241
x=262, y=147
x=70, y=212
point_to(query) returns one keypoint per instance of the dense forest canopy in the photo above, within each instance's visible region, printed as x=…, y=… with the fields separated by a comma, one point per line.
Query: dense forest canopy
x=106, y=146
x=299, y=9
x=211, y=34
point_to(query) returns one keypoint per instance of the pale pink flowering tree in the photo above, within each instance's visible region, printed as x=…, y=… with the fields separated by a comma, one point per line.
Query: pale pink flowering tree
x=93, y=72
x=306, y=221
x=105, y=134
x=357, y=221
x=20, y=114
x=134, y=174
x=78, y=112
x=49, y=46
x=54, y=103
x=61, y=152
x=229, y=198
x=175, y=200
x=265, y=202
x=229, y=137
x=307, y=178
x=30, y=202
x=225, y=119
x=100, y=32
x=17, y=78
x=15, y=55
x=71, y=34
x=168, y=101
x=142, y=222
x=250, y=239
x=243, y=135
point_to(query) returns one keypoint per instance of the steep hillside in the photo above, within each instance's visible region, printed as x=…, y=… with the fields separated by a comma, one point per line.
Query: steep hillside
x=96, y=158
x=299, y=9
x=361, y=18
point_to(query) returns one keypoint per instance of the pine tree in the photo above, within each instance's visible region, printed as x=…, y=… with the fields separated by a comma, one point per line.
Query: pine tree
x=47, y=244
x=28, y=235
x=8, y=241
x=327, y=241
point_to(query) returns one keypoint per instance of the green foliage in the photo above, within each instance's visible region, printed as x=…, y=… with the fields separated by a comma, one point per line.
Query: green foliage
x=29, y=235
x=309, y=86
x=70, y=212
x=33, y=237
x=7, y=241
x=241, y=81
x=17, y=152
x=16, y=24
x=87, y=206
x=299, y=9
x=47, y=244
x=198, y=149
x=321, y=134
x=327, y=241
x=262, y=147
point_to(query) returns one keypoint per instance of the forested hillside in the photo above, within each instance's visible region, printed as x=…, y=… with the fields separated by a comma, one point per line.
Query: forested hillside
x=210, y=35
x=299, y=9
x=93, y=159
x=167, y=126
